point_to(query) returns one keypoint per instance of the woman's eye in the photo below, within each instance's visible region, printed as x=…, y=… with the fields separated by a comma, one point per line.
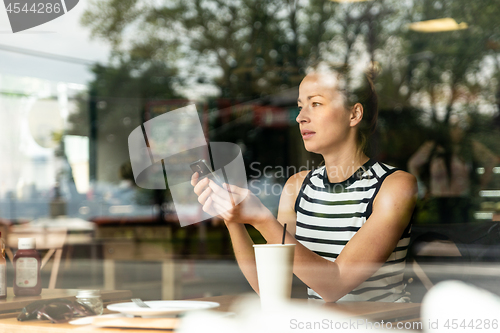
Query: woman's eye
x=316, y=104
x=300, y=108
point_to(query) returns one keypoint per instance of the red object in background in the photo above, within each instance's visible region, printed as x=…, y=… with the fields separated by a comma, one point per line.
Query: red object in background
x=271, y=116
x=224, y=106
x=159, y=107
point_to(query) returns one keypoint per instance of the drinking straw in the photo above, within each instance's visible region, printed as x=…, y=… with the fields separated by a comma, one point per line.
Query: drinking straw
x=284, y=233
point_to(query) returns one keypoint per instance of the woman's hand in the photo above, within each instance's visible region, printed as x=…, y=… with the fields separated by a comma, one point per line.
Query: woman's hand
x=234, y=204
x=203, y=192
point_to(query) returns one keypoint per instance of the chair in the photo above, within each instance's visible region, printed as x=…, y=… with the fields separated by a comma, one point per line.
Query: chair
x=468, y=252
x=49, y=239
x=437, y=248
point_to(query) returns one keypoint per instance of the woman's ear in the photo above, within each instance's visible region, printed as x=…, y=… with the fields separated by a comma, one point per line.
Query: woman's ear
x=356, y=114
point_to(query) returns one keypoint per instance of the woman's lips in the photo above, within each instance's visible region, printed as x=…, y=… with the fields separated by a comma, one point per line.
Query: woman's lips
x=307, y=134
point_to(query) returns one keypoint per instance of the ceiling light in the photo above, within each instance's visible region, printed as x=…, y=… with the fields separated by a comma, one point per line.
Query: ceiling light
x=343, y=1
x=439, y=25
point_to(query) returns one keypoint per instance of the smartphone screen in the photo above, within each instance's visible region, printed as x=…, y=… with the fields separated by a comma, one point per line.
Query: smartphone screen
x=201, y=166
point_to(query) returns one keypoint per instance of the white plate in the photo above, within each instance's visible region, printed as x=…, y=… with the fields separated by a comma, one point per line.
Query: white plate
x=161, y=308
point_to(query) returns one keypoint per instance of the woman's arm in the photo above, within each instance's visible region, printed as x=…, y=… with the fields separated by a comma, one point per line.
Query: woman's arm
x=244, y=253
x=240, y=239
x=365, y=253
x=243, y=244
x=362, y=256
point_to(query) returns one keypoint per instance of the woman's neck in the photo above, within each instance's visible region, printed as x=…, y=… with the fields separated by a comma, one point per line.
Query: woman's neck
x=342, y=165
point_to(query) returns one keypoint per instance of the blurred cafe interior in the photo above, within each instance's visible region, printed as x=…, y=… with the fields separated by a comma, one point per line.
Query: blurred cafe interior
x=69, y=102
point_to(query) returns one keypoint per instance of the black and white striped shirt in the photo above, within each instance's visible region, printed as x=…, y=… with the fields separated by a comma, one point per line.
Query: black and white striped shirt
x=330, y=214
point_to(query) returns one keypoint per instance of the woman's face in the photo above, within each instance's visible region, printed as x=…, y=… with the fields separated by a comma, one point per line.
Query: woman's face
x=323, y=119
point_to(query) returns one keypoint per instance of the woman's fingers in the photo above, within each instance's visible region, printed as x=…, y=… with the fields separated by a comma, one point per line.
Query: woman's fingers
x=226, y=215
x=241, y=192
x=200, y=186
x=216, y=200
x=224, y=202
x=221, y=196
x=215, y=209
x=194, y=178
x=232, y=188
x=202, y=198
x=216, y=188
x=206, y=206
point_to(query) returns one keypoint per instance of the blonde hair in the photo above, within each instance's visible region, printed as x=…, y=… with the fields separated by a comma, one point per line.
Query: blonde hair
x=356, y=88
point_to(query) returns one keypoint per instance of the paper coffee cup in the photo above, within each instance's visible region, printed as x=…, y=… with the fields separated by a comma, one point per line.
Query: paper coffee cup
x=275, y=273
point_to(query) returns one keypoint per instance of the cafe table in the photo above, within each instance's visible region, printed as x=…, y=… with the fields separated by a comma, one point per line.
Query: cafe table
x=12, y=306
x=9, y=309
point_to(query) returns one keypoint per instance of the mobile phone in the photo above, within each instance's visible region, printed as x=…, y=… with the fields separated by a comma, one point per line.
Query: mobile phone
x=204, y=170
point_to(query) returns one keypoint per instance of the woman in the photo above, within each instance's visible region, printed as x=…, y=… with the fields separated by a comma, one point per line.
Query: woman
x=349, y=219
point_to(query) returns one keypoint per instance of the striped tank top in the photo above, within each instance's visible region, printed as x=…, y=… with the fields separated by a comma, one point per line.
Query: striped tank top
x=330, y=214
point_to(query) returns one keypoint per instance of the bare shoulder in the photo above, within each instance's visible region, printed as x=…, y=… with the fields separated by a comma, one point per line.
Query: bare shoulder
x=298, y=178
x=397, y=196
x=286, y=210
x=292, y=188
x=293, y=184
x=399, y=182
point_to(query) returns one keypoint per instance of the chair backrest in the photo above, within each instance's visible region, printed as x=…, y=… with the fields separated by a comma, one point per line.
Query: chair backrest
x=46, y=238
x=442, y=252
x=476, y=242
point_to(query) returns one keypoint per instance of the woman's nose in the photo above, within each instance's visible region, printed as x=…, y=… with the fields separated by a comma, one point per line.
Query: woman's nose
x=302, y=117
